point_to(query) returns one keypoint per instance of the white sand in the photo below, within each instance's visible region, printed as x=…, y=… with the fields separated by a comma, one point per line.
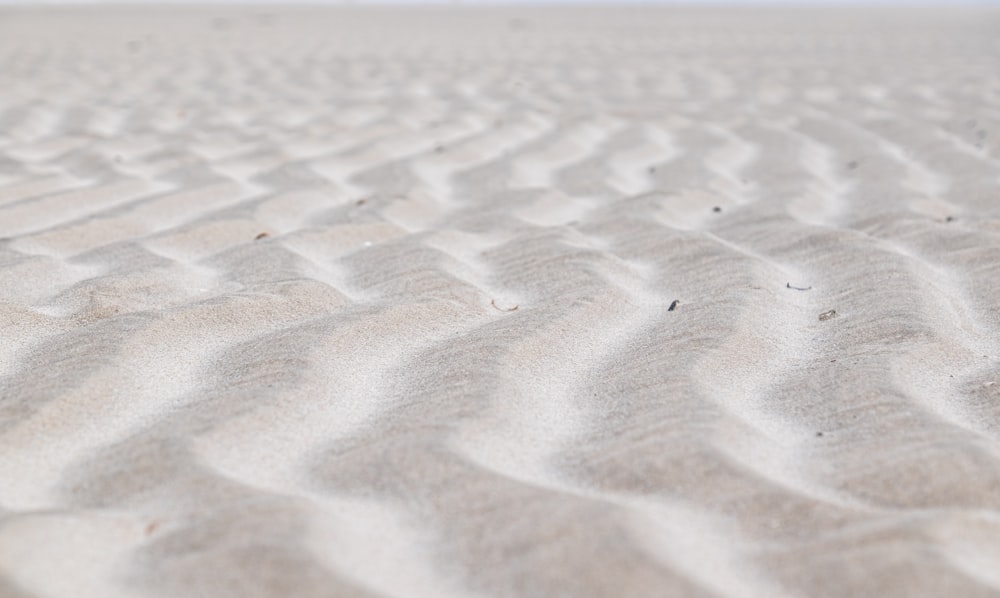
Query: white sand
x=449, y=368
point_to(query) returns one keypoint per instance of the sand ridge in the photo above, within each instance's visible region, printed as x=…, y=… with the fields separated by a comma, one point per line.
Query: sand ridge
x=499, y=302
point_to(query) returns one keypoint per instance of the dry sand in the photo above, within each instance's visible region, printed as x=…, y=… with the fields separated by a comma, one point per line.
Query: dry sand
x=378, y=302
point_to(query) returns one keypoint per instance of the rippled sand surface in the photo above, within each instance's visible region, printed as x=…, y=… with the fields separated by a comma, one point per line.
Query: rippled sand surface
x=533, y=302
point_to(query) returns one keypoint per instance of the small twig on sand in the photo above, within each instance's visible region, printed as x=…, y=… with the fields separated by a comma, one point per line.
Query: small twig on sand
x=261, y=236
x=788, y=285
x=674, y=304
x=494, y=303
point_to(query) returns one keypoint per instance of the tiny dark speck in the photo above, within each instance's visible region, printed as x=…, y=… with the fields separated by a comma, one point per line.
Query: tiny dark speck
x=261, y=236
x=818, y=434
x=716, y=209
x=673, y=305
x=949, y=219
x=852, y=164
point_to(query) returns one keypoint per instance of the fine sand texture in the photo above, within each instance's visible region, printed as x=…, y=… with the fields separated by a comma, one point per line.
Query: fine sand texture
x=530, y=302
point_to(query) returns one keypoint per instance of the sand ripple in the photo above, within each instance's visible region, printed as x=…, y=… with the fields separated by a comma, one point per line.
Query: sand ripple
x=499, y=303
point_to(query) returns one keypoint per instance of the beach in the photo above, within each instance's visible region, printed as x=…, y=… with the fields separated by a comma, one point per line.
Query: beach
x=499, y=302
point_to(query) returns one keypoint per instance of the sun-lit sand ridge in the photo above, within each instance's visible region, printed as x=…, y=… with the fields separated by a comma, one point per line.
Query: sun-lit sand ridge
x=381, y=302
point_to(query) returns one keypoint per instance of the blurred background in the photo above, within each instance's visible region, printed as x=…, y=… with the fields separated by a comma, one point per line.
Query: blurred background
x=514, y=2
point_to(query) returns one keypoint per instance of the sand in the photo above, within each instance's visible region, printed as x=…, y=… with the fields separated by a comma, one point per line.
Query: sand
x=520, y=302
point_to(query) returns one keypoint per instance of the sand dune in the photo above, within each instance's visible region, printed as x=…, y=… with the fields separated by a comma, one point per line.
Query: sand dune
x=533, y=302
